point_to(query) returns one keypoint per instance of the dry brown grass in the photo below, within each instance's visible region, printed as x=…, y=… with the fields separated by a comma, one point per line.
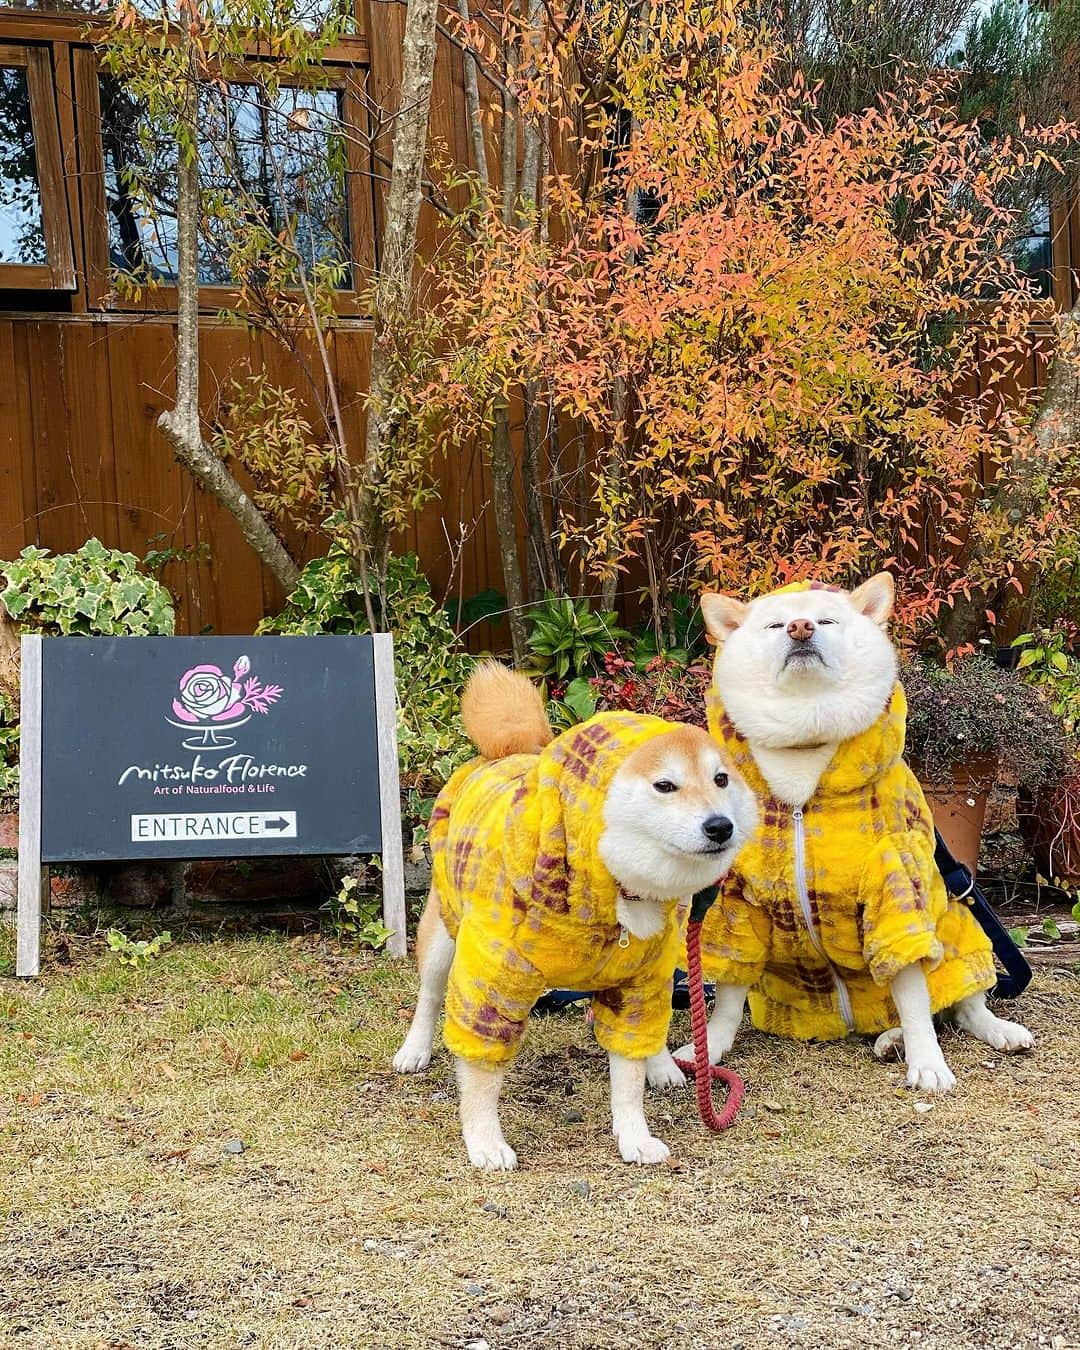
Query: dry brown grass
x=834, y=1214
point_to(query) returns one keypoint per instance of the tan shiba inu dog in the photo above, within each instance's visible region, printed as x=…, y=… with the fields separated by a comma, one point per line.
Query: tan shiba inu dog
x=563, y=862
x=835, y=918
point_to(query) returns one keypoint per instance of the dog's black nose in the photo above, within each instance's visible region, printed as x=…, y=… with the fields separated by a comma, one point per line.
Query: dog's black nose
x=718, y=828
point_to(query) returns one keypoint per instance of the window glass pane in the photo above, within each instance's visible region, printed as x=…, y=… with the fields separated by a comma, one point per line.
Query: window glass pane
x=22, y=233
x=1035, y=251
x=279, y=163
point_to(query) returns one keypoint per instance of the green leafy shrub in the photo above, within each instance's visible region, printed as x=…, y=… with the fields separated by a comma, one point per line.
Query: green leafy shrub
x=568, y=638
x=9, y=752
x=1048, y=660
x=430, y=662
x=94, y=592
x=683, y=639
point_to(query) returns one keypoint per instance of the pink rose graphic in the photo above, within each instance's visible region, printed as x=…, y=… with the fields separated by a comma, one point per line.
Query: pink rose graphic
x=207, y=694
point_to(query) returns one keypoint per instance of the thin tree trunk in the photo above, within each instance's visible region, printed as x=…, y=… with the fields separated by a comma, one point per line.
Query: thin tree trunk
x=472, y=110
x=536, y=556
x=502, y=453
x=180, y=424
x=508, y=165
x=394, y=282
x=532, y=133
x=502, y=480
x=620, y=402
x=620, y=389
x=532, y=174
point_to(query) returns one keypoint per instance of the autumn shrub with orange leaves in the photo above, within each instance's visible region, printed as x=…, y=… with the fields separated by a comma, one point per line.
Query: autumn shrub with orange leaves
x=787, y=350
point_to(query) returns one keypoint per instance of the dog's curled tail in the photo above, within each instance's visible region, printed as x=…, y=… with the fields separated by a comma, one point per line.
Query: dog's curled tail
x=503, y=713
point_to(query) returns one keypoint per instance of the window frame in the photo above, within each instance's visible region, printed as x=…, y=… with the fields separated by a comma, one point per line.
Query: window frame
x=58, y=274
x=359, y=197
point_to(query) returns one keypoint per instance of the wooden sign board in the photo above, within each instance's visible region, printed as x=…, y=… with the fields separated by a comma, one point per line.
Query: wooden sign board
x=207, y=747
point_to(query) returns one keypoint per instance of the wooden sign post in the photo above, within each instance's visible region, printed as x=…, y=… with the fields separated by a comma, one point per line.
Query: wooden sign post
x=210, y=747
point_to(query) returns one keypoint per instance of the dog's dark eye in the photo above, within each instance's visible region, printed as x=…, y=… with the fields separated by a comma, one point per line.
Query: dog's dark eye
x=666, y=785
x=721, y=780
x=821, y=621
x=774, y=625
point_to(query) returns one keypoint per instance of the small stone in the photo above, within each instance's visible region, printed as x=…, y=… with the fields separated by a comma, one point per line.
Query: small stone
x=371, y=1245
x=475, y=1289
x=904, y=1295
x=490, y=1207
x=581, y=1188
x=572, y=1117
x=501, y=1314
x=923, y=1107
x=771, y=1105
x=233, y=1146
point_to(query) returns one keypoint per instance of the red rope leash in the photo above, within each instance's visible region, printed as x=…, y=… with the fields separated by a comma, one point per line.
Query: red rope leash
x=704, y=1073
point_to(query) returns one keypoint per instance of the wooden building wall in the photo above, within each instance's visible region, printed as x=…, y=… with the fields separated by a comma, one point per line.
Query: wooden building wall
x=81, y=390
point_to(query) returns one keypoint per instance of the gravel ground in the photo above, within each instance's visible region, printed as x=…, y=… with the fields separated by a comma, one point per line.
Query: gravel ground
x=212, y=1153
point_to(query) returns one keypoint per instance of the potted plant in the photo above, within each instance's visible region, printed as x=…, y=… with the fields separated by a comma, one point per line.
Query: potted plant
x=967, y=722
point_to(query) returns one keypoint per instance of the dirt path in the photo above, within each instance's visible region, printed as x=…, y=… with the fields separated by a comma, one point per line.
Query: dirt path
x=837, y=1213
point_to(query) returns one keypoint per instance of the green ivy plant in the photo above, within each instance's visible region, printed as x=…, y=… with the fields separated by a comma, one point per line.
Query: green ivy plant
x=357, y=917
x=136, y=953
x=95, y=591
x=568, y=638
x=431, y=664
x=9, y=752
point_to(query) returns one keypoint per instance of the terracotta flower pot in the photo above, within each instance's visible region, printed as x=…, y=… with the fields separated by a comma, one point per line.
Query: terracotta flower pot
x=959, y=807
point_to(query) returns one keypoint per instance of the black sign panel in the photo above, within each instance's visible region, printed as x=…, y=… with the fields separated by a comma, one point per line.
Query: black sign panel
x=208, y=747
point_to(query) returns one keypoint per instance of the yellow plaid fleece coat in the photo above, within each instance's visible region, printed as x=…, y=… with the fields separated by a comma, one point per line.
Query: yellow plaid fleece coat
x=864, y=876
x=522, y=888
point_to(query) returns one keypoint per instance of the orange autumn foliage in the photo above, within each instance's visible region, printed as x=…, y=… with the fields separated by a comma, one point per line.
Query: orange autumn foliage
x=771, y=332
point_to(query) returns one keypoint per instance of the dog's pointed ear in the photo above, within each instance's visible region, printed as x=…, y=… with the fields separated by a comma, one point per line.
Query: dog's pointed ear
x=722, y=615
x=875, y=598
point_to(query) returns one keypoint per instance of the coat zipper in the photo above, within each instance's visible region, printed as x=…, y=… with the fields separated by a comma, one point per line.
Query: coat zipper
x=808, y=917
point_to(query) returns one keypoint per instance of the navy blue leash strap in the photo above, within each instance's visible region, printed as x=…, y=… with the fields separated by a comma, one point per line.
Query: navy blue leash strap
x=961, y=886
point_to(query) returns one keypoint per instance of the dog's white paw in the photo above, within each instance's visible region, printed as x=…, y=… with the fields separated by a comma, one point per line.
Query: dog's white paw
x=718, y=1048
x=930, y=1073
x=890, y=1042
x=661, y=1071
x=1003, y=1035
x=412, y=1058
x=494, y=1156
x=642, y=1148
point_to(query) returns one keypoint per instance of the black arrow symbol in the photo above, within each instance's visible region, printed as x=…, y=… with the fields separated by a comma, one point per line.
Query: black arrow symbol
x=280, y=824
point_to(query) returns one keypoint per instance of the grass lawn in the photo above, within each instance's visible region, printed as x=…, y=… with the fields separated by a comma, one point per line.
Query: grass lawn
x=213, y=1152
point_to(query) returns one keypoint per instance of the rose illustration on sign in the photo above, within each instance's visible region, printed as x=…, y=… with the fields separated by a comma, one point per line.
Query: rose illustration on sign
x=209, y=699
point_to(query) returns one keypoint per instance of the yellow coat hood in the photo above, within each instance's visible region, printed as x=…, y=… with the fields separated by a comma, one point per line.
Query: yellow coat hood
x=517, y=870
x=827, y=902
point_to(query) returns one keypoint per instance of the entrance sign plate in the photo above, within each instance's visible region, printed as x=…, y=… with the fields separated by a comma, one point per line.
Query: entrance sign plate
x=209, y=747
x=214, y=825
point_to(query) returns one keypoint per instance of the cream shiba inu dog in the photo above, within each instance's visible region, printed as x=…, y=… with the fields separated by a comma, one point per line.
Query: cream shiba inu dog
x=834, y=918
x=563, y=862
